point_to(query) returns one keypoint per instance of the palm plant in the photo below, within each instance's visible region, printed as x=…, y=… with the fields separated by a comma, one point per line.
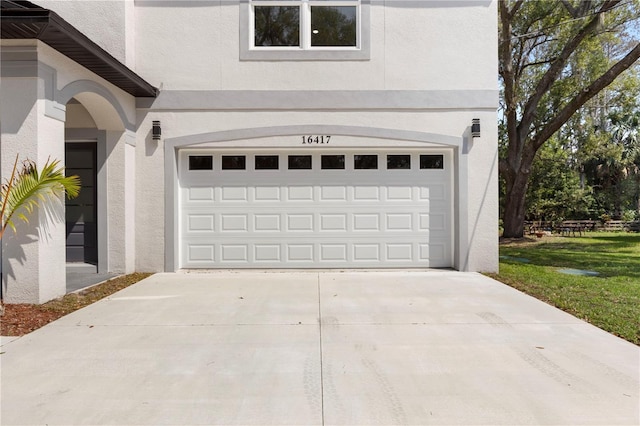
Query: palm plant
x=29, y=188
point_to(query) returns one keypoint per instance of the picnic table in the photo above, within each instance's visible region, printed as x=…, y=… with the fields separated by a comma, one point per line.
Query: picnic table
x=573, y=227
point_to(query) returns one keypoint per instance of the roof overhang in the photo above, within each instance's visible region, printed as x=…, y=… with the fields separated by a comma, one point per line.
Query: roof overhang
x=25, y=20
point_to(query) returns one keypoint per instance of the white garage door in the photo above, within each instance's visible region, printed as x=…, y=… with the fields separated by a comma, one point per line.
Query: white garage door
x=338, y=209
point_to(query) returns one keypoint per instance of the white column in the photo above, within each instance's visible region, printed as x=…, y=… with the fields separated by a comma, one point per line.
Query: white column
x=33, y=258
x=121, y=200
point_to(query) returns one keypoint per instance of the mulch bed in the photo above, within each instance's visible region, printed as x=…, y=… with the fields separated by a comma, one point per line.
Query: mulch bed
x=20, y=319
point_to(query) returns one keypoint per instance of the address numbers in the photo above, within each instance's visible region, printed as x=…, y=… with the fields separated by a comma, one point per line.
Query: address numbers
x=315, y=139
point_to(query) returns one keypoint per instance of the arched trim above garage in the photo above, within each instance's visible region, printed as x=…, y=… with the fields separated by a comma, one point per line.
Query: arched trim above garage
x=459, y=145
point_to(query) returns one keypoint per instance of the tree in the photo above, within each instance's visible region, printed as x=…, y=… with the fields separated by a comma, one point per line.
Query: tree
x=549, y=70
x=28, y=188
x=555, y=192
x=615, y=168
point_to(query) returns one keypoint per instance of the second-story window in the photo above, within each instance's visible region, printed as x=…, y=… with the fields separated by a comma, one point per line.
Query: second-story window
x=305, y=24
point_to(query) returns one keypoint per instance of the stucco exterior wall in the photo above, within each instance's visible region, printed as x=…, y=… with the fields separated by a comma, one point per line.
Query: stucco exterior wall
x=37, y=82
x=415, y=45
x=109, y=23
x=35, y=253
x=481, y=177
x=432, y=67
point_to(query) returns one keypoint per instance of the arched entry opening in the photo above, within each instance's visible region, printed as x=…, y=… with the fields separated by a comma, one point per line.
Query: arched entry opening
x=95, y=127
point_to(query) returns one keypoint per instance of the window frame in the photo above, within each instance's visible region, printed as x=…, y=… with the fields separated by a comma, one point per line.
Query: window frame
x=305, y=51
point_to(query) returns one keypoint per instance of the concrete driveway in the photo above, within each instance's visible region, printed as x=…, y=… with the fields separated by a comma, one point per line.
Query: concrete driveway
x=311, y=348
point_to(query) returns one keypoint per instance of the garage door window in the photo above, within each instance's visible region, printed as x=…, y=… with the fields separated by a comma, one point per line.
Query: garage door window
x=266, y=162
x=398, y=162
x=233, y=162
x=432, y=162
x=299, y=162
x=365, y=162
x=200, y=162
x=332, y=162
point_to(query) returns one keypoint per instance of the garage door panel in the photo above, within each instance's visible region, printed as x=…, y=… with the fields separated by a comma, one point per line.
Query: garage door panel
x=234, y=223
x=366, y=222
x=315, y=218
x=333, y=252
x=333, y=193
x=399, y=193
x=399, y=252
x=201, y=222
x=399, y=222
x=267, y=253
x=267, y=222
x=237, y=253
x=300, y=193
x=364, y=252
x=300, y=252
x=300, y=222
x=333, y=222
x=234, y=194
x=266, y=193
x=200, y=253
x=366, y=193
x=200, y=193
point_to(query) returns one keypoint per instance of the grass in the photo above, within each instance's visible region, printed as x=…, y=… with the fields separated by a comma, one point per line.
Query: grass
x=610, y=300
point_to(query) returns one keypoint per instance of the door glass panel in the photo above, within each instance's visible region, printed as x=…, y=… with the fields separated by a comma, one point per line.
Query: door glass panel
x=365, y=161
x=266, y=162
x=398, y=161
x=200, y=162
x=332, y=162
x=432, y=162
x=233, y=162
x=299, y=162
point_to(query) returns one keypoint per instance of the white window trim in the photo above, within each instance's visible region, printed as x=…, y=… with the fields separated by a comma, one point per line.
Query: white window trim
x=304, y=52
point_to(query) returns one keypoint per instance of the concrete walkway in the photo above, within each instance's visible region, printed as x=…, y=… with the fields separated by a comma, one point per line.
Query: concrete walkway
x=309, y=348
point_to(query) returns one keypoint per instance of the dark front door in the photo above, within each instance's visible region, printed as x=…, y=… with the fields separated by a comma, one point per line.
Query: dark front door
x=82, y=230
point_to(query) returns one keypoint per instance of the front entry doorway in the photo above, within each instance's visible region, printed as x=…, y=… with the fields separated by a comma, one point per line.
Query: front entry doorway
x=81, y=212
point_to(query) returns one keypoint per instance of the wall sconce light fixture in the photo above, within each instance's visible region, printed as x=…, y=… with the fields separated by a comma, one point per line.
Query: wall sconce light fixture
x=156, y=131
x=475, y=128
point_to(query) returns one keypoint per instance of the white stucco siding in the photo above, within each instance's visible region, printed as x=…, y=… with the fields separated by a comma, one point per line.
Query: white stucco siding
x=108, y=23
x=482, y=200
x=35, y=253
x=417, y=45
x=441, y=45
x=71, y=77
x=37, y=83
x=188, y=58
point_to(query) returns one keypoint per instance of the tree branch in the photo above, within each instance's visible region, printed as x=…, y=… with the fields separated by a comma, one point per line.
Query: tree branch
x=572, y=10
x=556, y=67
x=507, y=72
x=589, y=92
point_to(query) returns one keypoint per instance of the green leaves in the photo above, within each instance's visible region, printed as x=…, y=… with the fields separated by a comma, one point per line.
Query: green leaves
x=29, y=188
x=564, y=65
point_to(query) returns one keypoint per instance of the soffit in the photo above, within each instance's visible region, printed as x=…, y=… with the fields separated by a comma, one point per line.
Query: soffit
x=25, y=20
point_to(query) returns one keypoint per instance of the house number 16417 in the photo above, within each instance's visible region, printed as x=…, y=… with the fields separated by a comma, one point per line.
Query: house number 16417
x=313, y=139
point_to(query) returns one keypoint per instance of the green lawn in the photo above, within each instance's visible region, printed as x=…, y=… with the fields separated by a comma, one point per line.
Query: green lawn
x=610, y=300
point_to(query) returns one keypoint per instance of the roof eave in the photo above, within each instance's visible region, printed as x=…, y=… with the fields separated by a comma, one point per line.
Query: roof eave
x=66, y=39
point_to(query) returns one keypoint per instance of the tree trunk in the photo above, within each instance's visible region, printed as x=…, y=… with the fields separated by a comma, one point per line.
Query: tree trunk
x=514, y=206
x=516, y=183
